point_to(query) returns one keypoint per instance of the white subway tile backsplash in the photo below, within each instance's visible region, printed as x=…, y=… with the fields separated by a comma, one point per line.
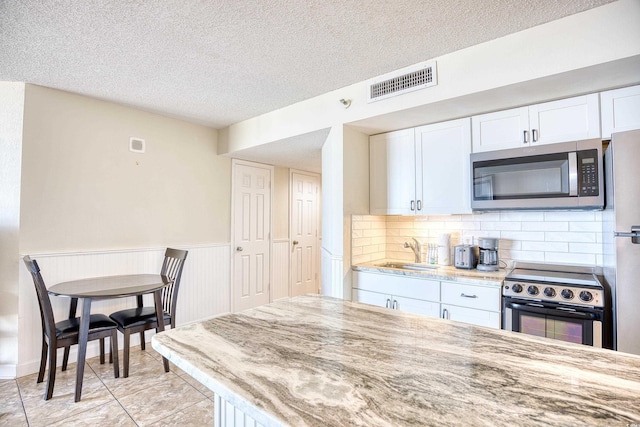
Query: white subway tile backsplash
x=570, y=258
x=570, y=216
x=523, y=235
x=522, y=216
x=553, y=236
x=585, y=226
x=545, y=226
x=501, y=225
x=546, y=246
x=570, y=237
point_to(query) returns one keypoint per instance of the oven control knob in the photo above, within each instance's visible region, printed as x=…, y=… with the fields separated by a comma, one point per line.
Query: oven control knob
x=586, y=296
x=567, y=294
x=533, y=290
x=516, y=288
x=549, y=292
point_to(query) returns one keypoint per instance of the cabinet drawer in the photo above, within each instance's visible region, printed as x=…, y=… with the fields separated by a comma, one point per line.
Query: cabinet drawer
x=489, y=319
x=481, y=297
x=394, y=284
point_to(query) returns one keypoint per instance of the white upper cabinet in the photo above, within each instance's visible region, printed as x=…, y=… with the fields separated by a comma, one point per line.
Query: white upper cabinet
x=421, y=171
x=620, y=110
x=392, y=173
x=443, y=158
x=500, y=130
x=557, y=121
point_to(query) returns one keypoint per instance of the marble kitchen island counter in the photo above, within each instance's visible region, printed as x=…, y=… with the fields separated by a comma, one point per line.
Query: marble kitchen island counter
x=319, y=361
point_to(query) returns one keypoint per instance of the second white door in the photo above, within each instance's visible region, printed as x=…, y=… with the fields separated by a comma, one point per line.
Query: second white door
x=305, y=193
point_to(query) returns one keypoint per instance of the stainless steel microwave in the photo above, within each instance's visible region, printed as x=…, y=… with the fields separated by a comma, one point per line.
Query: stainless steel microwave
x=565, y=175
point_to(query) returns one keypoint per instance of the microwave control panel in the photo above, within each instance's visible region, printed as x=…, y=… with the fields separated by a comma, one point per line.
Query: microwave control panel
x=588, y=173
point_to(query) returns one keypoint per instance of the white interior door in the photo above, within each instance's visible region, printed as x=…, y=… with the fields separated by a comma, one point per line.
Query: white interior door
x=251, y=218
x=305, y=193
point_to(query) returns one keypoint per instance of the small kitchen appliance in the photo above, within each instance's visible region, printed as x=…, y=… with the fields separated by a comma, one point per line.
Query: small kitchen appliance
x=563, y=302
x=464, y=256
x=488, y=254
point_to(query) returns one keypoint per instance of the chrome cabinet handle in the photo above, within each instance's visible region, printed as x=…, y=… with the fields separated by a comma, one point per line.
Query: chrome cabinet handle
x=468, y=296
x=239, y=249
x=419, y=205
x=395, y=304
x=413, y=205
x=445, y=313
x=533, y=134
x=388, y=303
x=525, y=137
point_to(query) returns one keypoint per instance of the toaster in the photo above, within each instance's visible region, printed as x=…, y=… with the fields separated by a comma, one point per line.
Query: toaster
x=464, y=256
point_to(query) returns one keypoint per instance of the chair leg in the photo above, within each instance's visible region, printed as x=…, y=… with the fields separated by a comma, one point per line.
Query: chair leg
x=43, y=360
x=142, y=343
x=65, y=358
x=125, y=351
x=51, y=379
x=102, y=351
x=113, y=354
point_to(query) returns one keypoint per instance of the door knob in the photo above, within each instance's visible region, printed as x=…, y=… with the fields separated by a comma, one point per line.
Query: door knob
x=295, y=242
x=239, y=249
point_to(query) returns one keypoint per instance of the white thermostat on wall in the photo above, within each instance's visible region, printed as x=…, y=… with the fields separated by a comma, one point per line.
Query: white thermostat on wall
x=136, y=145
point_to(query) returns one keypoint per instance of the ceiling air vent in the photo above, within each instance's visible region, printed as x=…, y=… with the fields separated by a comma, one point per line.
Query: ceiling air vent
x=392, y=84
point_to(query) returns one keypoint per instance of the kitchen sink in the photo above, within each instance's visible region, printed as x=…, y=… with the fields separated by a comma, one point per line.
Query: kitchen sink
x=407, y=266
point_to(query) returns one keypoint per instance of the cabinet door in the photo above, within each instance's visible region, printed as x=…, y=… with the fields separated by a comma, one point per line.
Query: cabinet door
x=392, y=173
x=426, y=308
x=442, y=150
x=620, y=110
x=489, y=319
x=565, y=120
x=500, y=130
x=371, y=298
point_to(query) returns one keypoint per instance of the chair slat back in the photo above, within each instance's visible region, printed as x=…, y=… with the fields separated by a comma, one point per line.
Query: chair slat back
x=46, y=311
x=172, y=268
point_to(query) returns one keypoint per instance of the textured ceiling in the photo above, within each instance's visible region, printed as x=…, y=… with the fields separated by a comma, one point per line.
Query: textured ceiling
x=223, y=61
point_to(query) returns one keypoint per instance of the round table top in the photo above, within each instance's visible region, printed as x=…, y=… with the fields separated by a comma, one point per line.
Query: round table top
x=111, y=286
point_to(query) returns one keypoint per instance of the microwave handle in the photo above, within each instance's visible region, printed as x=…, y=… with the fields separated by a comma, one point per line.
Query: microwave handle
x=573, y=173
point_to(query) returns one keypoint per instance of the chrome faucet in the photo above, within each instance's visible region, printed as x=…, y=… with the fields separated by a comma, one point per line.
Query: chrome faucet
x=415, y=247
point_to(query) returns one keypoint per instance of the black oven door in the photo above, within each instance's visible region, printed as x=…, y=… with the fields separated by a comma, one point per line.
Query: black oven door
x=581, y=325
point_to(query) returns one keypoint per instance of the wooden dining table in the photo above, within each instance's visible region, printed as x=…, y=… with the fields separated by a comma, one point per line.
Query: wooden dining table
x=107, y=287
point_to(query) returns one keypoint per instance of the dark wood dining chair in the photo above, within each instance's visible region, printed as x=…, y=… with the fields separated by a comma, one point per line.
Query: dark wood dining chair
x=65, y=333
x=141, y=318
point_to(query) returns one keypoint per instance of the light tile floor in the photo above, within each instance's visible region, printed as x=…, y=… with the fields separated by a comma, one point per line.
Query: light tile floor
x=149, y=397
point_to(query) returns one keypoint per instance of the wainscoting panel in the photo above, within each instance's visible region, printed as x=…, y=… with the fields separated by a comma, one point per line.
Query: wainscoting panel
x=204, y=290
x=281, y=259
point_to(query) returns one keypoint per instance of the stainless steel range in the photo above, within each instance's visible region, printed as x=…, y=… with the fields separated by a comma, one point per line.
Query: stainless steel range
x=556, y=301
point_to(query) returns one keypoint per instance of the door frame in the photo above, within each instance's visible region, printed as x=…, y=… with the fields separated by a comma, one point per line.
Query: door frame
x=318, y=239
x=232, y=246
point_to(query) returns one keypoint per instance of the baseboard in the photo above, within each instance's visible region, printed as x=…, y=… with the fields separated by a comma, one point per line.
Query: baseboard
x=8, y=372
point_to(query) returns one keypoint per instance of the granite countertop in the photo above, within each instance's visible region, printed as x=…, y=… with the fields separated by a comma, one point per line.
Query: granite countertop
x=320, y=361
x=449, y=272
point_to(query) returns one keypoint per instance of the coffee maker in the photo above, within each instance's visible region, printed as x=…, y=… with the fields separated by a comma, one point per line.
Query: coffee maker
x=488, y=254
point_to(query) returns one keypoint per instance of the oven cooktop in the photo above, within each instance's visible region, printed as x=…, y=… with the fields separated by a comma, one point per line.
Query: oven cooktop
x=562, y=284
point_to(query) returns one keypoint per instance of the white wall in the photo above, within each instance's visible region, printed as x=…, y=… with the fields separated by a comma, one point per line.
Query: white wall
x=11, y=121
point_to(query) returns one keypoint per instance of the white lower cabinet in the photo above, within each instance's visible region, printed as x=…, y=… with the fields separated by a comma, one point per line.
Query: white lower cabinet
x=397, y=292
x=474, y=304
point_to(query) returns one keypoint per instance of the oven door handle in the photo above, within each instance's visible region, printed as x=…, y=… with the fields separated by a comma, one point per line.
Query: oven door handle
x=552, y=311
